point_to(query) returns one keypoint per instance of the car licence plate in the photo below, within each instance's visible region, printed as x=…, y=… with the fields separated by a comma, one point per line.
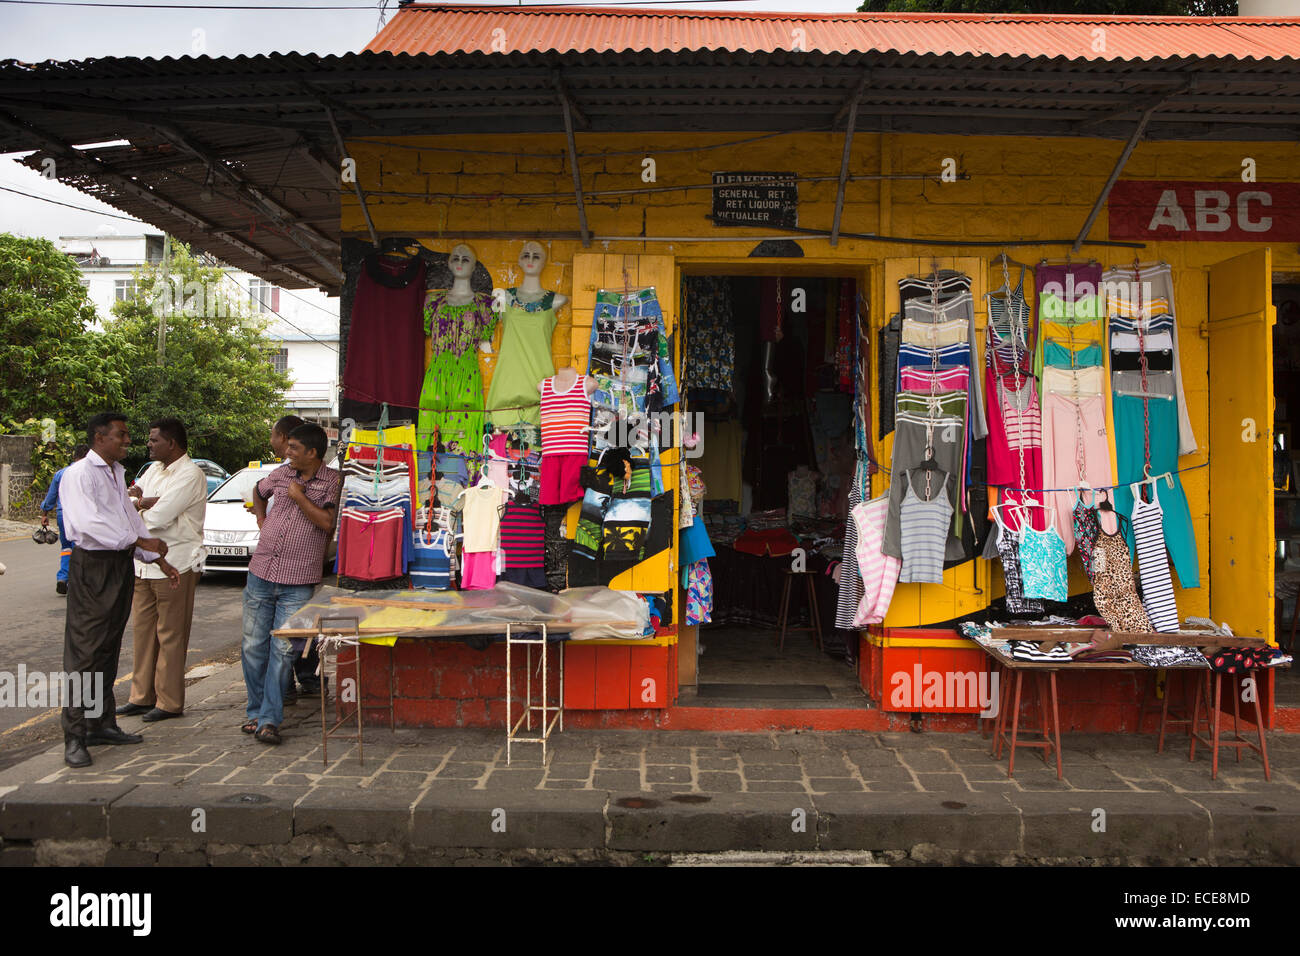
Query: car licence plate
x=227, y=551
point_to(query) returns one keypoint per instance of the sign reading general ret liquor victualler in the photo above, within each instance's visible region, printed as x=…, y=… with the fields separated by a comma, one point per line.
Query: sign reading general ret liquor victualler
x=755, y=199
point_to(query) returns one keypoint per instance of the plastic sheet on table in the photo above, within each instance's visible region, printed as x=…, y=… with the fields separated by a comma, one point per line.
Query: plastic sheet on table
x=380, y=616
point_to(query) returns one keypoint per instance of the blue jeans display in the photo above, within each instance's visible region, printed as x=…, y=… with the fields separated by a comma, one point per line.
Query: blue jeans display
x=268, y=660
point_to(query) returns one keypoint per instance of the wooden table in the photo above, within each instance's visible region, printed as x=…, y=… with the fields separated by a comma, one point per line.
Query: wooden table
x=1044, y=673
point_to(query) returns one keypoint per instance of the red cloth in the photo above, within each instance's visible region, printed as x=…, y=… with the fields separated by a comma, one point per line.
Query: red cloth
x=772, y=542
x=370, y=544
x=560, y=479
x=385, y=350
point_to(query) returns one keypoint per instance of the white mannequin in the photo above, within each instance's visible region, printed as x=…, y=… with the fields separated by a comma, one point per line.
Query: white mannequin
x=532, y=259
x=564, y=379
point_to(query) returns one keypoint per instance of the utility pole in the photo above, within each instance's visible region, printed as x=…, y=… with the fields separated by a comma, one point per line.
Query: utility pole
x=162, y=313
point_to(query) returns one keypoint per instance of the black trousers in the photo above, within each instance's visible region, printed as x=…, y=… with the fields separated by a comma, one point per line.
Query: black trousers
x=100, y=586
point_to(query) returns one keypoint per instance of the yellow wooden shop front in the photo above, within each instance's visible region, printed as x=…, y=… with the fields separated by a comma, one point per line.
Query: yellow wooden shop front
x=647, y=203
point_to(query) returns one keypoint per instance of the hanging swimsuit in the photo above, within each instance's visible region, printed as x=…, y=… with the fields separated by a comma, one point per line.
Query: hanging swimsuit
x=924, y=528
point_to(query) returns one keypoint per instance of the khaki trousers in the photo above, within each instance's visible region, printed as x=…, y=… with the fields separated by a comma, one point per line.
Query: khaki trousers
x=161, y=625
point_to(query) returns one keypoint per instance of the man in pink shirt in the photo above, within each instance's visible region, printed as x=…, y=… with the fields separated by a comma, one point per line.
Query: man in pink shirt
x=106, y=532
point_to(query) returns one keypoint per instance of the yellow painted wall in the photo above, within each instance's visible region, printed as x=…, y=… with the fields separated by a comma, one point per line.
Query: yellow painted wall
x=1022, y=188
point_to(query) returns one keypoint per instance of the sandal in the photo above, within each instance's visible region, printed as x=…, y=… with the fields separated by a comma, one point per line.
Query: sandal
x=250, y=727
x=267, y=734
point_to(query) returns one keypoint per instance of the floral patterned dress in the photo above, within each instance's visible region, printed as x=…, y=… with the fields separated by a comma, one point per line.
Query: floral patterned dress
x=451, y=400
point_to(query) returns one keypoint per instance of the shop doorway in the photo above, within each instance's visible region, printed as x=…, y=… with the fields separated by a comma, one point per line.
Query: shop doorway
x=768, y=369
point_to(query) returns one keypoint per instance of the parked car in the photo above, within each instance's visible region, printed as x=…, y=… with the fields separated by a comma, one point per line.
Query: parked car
x=214, y=472
x=230, y=531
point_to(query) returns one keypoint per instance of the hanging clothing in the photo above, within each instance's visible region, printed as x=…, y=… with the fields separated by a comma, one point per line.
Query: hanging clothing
x=711, y=335
x=1075, y=448
x=565, y=417
x=385, y=347
x=1113, y=590
x=451, y=399
x=849, y=594
x=1086, y=528
x=1042, y=564
x=923, y=526
x=525, y=360
x=371, y=543
x=1013, y=579
x=1179, y=537
x=523, y=537
x=479, y=571
x=879, y=571
x=481, y=507
x=1147, y=296
x=1153, y=560
x=699, y=593
x=430, y=568
x=913, y=436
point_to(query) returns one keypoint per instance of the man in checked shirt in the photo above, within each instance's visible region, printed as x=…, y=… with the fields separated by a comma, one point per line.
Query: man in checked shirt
x=284, y=570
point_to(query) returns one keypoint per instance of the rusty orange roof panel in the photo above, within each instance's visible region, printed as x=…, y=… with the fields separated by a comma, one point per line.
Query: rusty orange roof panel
x=441, y=28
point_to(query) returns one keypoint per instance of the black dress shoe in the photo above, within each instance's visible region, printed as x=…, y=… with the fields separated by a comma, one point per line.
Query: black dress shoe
x=61, y=587
x=159, y=714
x=130, y=710
x=75, y=753
x=112, y=735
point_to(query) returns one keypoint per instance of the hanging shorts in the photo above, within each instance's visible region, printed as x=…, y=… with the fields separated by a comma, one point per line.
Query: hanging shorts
x=479, y=571
x=561, y=476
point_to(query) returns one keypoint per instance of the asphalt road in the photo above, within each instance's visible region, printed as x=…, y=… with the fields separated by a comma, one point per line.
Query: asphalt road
x=31, y=633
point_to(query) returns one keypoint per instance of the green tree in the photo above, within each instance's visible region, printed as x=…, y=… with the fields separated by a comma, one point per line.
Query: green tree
x=56, y=365
x=1163, y=8
x=214, y=373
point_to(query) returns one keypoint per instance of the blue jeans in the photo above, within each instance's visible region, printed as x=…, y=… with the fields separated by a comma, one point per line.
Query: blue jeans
x=268, y=660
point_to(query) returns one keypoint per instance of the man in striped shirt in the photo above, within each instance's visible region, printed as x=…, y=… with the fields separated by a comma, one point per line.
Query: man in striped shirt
x=285, y=569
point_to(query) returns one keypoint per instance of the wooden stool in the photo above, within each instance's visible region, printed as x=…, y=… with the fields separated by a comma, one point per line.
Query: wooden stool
x=1184, y=716
x=1212, y=721
x=1050, y=740
x=784, y=616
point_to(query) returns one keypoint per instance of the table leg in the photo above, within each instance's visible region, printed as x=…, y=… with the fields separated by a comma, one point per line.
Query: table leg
x=1056, y=723
x=1004, y=705
x=814, y=610
x=1040, y=686
x=1015, y=726
x=784, y=613
x=1164, y=712
x=361, y=748
x=1236, y=708
x=1214, y=759
x=1259, y=728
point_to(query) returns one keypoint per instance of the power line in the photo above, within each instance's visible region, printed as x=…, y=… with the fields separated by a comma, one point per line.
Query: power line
x=111, y=215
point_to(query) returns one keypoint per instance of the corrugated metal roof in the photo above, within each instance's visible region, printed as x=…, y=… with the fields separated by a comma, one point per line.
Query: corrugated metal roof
x=439, y=28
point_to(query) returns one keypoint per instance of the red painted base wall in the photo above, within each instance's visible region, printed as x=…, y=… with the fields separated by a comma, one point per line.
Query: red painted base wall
x=448, y=684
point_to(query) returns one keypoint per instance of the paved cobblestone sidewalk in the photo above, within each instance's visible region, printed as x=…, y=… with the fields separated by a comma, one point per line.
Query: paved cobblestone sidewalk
x=634, y=790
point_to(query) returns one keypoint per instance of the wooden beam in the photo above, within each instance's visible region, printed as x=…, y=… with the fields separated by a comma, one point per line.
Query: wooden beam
x=1114, y=174
x=573, y=160
x=852, y=122
x=356, y=180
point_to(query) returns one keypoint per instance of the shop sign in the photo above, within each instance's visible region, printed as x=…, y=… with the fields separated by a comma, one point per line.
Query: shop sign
x=1205, y=212
x=755, y=199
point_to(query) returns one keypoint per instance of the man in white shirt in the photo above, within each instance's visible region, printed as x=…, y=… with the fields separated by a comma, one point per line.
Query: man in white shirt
x=173, y=504
x=102, y=523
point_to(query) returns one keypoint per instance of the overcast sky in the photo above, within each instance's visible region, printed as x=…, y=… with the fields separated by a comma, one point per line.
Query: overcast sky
x=32, y=32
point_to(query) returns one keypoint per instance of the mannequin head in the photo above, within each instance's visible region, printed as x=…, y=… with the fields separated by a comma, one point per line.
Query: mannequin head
x=461, y=261
x=532, y=258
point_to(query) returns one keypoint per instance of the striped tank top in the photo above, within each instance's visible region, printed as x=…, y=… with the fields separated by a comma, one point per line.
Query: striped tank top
x=565, y=416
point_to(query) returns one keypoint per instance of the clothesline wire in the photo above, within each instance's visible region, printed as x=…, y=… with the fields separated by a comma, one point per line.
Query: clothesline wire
x=1122, y=484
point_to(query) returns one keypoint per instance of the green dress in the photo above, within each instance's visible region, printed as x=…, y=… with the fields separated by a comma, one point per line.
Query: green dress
x=452, y=397
x=525, y=360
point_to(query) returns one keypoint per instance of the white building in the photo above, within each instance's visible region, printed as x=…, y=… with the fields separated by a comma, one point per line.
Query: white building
x=305, y=323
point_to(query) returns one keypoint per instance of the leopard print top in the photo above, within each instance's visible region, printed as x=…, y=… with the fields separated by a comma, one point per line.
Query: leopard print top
x=1113, y=589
